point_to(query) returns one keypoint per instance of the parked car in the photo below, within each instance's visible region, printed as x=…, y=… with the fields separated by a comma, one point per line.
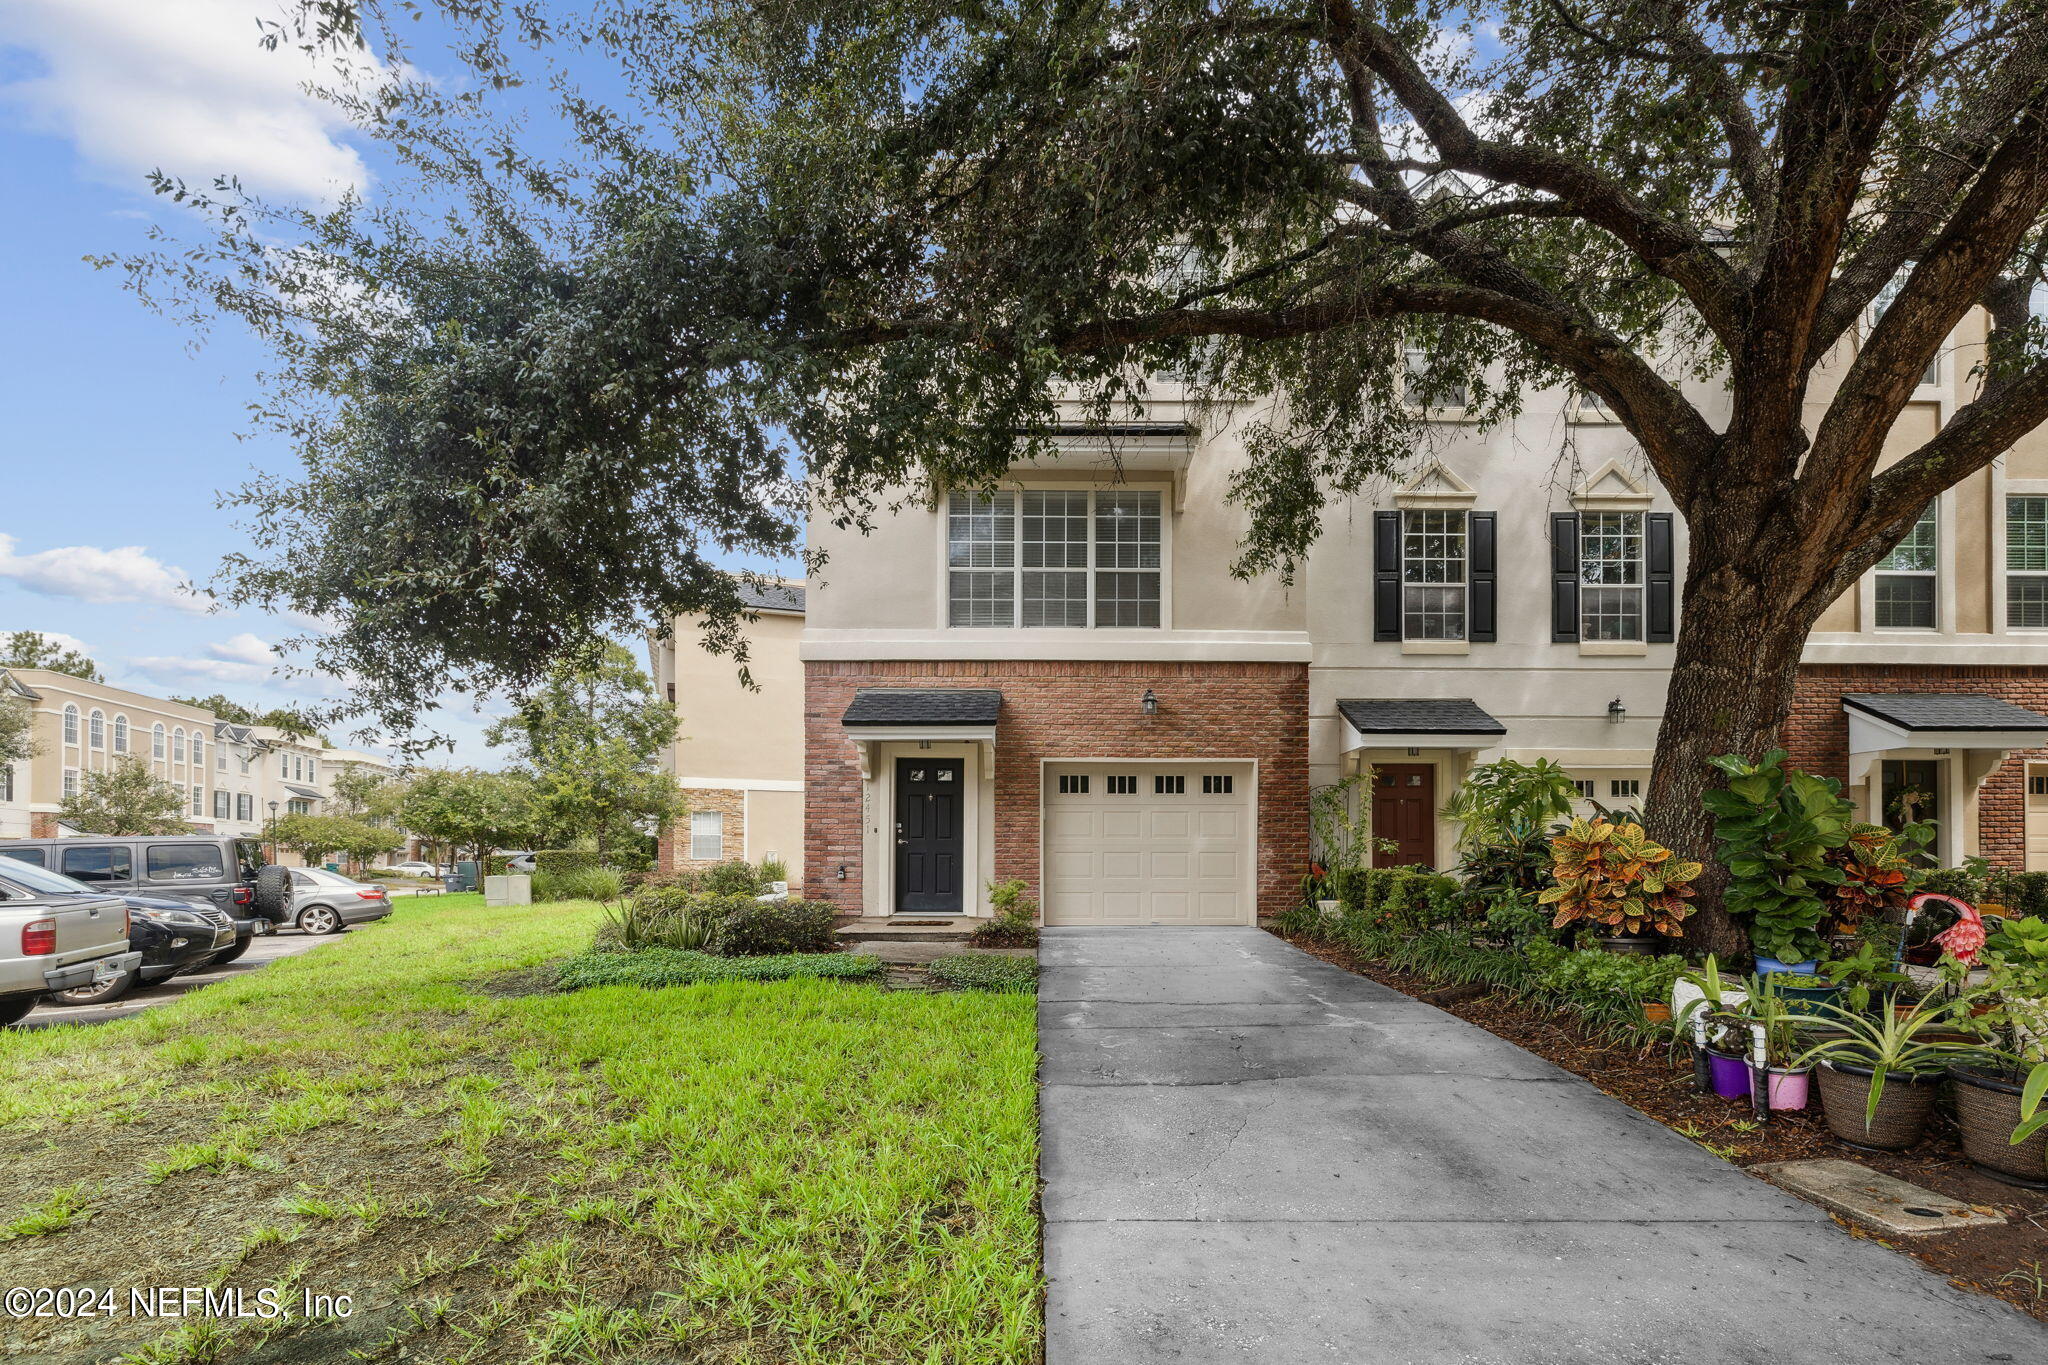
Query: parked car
x=216, y=870
x=173, y=936
x=56, y=935
x=323, y=901
x=415, y=868
x=520, y=862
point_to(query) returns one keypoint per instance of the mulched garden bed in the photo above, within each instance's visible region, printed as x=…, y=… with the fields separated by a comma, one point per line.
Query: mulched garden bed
x=2008, y=1261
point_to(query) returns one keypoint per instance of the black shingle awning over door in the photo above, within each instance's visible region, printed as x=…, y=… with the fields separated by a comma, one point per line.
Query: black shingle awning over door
x=1419, y=716
x=894, y=707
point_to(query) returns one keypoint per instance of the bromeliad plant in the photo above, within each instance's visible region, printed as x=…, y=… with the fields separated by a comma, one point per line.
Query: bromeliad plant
x=1617, y=877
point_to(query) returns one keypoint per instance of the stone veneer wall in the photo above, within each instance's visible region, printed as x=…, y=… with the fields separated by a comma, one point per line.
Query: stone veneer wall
x=1054, y=709
x=672, y=854
x=1817, y=734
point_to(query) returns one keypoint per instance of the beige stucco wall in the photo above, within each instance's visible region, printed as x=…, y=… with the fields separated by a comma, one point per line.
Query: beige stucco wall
x=46, y=780
x=728, y=732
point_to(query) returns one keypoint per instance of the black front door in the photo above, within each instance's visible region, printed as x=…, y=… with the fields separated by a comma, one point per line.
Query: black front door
x=929, y=843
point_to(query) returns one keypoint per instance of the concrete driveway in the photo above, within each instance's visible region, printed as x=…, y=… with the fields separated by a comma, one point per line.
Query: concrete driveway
x=1250, y=1155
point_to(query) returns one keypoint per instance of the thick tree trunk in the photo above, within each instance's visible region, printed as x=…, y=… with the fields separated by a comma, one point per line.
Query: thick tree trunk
x=1740, y=634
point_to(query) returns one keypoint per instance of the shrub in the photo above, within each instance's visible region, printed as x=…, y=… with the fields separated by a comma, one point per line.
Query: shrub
x=1016, y=919
x=664, y=923
x=1618, y=878
x=981, y=972
x=735, y=878
x=774, y=870
x=583, y=884
x=656, y=967
x=1410, y=898
x=565, y=860
x=754, y=928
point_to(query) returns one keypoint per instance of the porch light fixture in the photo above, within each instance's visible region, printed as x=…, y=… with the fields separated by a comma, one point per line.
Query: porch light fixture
x=1616, y=712
x=1149, y=702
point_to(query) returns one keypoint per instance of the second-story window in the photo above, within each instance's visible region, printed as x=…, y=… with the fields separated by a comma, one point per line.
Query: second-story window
x=1906, y=578
x=2026, y=563
x=1423, y=390
x=120, y=734
x=1611, y=576
x=156, y=741
x=96, y=730
x=71, y=725
x=1433, y=575
x=1053, y=558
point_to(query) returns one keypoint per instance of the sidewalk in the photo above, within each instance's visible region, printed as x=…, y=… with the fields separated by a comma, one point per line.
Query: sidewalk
x=1250, y=1155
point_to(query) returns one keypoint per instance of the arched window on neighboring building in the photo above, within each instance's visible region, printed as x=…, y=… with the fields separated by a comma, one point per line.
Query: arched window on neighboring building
x=156, y=741
x=70, y=724
x=178, y=745
x=120, y=734
x=96, y=729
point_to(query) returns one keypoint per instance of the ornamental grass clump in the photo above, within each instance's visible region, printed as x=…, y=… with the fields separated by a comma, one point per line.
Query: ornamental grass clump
x=1618, y=878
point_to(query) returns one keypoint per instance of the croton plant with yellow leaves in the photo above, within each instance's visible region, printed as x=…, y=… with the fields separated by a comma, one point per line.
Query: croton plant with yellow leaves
x=1616, y=876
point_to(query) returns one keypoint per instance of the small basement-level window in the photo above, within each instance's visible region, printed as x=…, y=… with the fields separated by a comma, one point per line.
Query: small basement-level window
x=1073, y=784
x=707, y=835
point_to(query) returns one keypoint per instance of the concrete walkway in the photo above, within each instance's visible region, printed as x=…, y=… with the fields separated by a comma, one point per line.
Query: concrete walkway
x=1250, y=1155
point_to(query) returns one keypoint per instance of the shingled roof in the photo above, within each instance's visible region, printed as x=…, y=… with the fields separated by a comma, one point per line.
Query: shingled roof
x=923, y=706
x=773, y=597
x=1419, y=716
x=1945, y=711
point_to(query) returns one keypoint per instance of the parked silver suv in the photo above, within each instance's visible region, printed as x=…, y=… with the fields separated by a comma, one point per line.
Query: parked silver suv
x=56, y=935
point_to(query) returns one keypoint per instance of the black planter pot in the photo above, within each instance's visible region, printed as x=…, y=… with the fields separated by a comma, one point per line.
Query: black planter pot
x=1987, y=1110
x=1632, y=945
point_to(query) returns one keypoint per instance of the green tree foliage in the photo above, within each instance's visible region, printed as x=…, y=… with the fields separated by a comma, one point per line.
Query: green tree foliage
x=127, y=798
x=1506, y=802
x=30, y=649
x=313, y=837
x=894, y=237
x=468, y=808
x=233, y=712
x=589, y=740
x=17, y=729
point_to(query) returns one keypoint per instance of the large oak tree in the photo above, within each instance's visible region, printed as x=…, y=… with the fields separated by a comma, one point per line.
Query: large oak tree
x=539, y=395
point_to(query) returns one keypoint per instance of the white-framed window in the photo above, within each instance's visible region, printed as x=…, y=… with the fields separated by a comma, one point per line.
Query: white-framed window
x=707, y=835
x=156, y=740
x=1588, y=406
x=1585, y=787
x=221, y=804
x=6, y=781
x=1074, y=558
x=70, y=783
x=1424, y=393
x=1433, y=565
x=198, y=750
x=120, y=734
x=178, y=745
x=1610, y=575
x=313, y=770
x=284, y=765
x=1880, y=305
x=96, y=729
x=70, y=724
x=1906, y=578
x=1624, y=788
x=220, y=758
x=245, y=806
x=198, y=799
x=299, y=807
x=2026, y=562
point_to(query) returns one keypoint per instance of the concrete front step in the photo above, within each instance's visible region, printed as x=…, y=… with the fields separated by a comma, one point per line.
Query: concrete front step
x=910, y=929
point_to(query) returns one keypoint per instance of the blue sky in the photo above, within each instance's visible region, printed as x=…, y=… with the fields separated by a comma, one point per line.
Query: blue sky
x=120, y=434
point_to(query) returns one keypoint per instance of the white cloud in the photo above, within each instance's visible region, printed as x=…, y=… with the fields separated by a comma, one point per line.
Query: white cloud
x=244, y=648
x=165, y=667
x=183, y=86
x=90, y=574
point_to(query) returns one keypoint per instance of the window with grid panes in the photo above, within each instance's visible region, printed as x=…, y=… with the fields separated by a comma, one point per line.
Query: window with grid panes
x=1611, y=576
x=1433, y=563
x=1906, y=578
x=1421, y=390
x=1053, y=558
x=2026, y=563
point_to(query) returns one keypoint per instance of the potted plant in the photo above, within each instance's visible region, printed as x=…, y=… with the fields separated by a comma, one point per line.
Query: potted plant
x=1767, y=1019
x=1613, y=877
x=1992, y=1091
x=1864, y=976
x=1879, y=1074
x=1777, y=829
x=1705, y=1004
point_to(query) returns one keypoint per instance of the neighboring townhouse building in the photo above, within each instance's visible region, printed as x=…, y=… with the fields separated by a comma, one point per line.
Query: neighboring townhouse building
x=238, y=780
x=83, y=727
x=16, y=777
x=739, y=751
x=1059, y=683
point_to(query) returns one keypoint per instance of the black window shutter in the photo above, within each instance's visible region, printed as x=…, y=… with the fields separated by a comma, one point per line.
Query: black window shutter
x=1479, y=549
x=1564, y=576
x=1386, y=575
x=1662, y=627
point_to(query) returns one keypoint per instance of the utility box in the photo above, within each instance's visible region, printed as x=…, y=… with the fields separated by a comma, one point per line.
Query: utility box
x=514, y=888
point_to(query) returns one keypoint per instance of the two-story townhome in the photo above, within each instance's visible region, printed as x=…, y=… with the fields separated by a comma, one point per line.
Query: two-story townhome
x=1059, y=681
x=238, y=780
x=739, y=749
x=84, y=727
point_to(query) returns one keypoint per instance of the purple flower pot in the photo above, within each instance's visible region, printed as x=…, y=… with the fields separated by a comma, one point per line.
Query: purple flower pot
x=1731, y=1076
x=1788, y=1089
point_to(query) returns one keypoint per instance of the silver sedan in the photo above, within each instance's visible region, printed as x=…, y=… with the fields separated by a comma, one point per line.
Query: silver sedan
x=323, y=901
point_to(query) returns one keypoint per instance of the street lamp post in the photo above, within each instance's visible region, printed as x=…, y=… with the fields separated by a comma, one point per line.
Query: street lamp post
x=273, y=831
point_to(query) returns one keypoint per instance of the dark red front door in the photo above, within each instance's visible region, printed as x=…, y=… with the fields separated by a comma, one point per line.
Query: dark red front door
x=1404, y=810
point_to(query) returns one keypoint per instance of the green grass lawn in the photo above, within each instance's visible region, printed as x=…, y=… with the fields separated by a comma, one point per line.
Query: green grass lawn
x=734, y=1171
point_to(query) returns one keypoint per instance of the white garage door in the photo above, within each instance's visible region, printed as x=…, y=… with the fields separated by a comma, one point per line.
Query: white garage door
x=1136, y=843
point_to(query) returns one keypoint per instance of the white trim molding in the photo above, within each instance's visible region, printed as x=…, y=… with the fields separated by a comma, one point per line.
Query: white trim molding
x=1021, y=643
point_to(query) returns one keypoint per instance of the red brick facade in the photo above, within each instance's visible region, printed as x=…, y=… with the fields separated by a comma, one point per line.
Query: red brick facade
x=1817, y=735
x=1054, y=709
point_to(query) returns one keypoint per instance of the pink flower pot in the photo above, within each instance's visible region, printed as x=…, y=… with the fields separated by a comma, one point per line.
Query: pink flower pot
x=1788, y=1089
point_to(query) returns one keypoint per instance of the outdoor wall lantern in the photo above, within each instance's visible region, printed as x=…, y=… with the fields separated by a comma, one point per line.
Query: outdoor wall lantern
x=1616, y=712
x=842, y=872
x=1149, y=702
